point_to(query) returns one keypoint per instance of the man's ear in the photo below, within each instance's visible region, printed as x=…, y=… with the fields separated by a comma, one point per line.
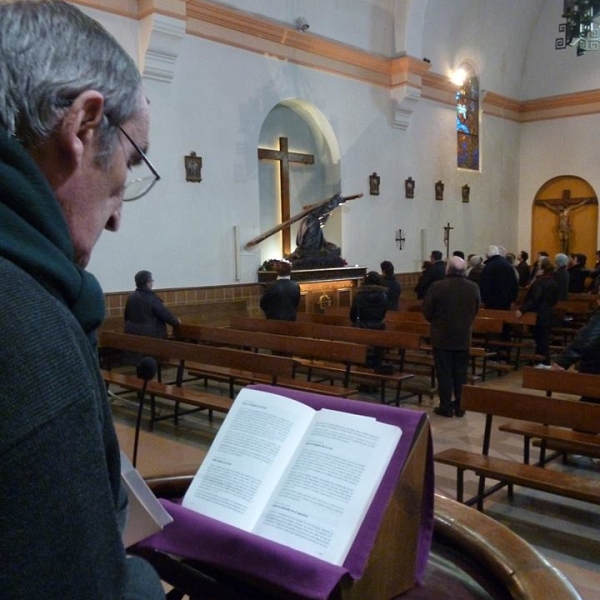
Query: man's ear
x=77, y=131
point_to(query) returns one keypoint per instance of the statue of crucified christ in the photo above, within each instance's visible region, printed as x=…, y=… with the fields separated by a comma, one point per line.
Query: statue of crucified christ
x=564, y=225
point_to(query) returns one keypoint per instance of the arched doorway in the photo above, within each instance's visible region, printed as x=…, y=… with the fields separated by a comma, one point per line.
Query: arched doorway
x=565, y=217
x=307, y=133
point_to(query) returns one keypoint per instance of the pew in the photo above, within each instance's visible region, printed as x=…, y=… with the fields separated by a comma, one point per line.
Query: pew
x=557, y=438
x=346, y=354
x=536, y=409
x=370, y=337
x=247, y=365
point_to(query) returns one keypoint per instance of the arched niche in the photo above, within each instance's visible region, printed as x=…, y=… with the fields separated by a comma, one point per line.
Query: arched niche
x=309, y=133
x=575, y=196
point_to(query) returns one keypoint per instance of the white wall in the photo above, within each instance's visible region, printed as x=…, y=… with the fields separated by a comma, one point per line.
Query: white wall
x=217, y=104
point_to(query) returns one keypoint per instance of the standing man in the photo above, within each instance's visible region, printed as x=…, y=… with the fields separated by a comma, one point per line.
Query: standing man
x=281, y=299
x=450, y=306
x=434, y=272
x=73, y=120
x=498, y=284
x=392, y=285
x=145, y=313
x=523, y=268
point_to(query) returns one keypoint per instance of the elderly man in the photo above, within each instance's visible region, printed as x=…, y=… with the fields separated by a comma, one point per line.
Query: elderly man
x=450, y=306
x=73, y=120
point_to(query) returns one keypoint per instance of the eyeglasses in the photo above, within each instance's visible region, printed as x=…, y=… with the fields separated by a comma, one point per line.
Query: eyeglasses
x=139, y=186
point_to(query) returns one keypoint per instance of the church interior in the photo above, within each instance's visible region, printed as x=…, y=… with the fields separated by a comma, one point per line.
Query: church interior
x=451, y=125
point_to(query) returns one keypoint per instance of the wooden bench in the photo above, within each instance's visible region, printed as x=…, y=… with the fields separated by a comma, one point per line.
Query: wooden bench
x=527, y=407
x=519, y=330
x=370, y=337
x=247, y=364
x=563, y=441
x=297, y=347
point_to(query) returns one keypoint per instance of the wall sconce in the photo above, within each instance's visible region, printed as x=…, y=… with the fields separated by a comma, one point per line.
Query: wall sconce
x=466, y=192
x=409, y=188
x=439, y=190
x=193, y=167
x=374, y=181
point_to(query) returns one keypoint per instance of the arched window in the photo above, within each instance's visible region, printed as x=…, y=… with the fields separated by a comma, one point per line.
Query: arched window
x=467, y=122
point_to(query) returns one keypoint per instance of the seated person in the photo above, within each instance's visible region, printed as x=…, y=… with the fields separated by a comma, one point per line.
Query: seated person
x=145, y=313
x=368, y=309
x=281, y=299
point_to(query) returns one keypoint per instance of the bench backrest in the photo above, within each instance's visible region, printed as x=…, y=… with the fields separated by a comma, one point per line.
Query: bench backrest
x=275, y=366
x=528, y=407
x=372, y=337
x=297, y=346
x=508, y=316
x=564, y=382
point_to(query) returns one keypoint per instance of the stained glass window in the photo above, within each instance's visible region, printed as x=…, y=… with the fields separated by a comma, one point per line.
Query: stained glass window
x=467, y=124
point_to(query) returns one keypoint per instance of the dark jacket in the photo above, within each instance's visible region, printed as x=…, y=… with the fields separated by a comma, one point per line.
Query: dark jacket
x=585, y=348
x=435, y=272
x=393, y=291
x=498, y=285
x=561, y=276
x=369, y=307
x=524, y=271
x=540, y=298
x=281, y=299
x=145, y=314
x=577, y=276
x=451, y=306
x=62, y=505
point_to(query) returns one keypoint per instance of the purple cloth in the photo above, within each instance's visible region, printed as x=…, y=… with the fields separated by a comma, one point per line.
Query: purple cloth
x=201, y=538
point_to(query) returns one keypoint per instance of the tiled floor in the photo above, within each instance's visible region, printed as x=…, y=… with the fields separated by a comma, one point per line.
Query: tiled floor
x=566, y=532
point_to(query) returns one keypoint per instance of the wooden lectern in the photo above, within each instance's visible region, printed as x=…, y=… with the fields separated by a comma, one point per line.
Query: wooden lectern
x=387, y=558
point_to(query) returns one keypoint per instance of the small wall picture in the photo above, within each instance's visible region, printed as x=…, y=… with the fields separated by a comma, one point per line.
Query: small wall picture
x=409, y=188
x=193, y=167
x=439, y=190
x=374, y=181
x=466, y=192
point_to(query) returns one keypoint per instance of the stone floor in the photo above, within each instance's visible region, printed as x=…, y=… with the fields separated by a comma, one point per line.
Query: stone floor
x=566, y=532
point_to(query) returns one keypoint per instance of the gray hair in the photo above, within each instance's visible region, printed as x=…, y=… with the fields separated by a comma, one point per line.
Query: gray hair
x=562, y=260
x=51, y=53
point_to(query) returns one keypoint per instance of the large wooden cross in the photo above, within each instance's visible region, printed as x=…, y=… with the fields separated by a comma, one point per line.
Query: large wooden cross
x=285, y=158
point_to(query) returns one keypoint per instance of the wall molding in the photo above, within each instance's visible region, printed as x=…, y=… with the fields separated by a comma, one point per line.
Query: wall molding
x=407, y=78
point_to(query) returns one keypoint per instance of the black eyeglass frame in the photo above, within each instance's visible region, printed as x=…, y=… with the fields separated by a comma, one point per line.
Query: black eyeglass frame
x=148, y=164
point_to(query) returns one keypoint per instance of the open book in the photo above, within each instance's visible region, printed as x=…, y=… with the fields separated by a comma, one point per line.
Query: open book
x=296, y=476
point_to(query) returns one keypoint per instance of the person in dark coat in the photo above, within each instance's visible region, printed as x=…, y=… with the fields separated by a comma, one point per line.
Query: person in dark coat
x=577, y=274
x=523, y=268
x=498, y=284
x=367, y=311
x=450, y=306
x=282, y=298
x=435, y=272
x=584, y=350
x=561, y=276
x=145, y=313
x=541, y=297
x=392, y=285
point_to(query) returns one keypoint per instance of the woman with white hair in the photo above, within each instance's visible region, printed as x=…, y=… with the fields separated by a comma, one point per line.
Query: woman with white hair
x=561, y=275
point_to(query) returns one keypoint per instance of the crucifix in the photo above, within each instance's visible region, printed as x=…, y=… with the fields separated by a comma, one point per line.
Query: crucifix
x=562, y=207
x=400, y=239
x=285, y=158
x=447, y=230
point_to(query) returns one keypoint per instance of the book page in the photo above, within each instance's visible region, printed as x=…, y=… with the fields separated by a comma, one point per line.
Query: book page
x=247, y=458
x=322, y=500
